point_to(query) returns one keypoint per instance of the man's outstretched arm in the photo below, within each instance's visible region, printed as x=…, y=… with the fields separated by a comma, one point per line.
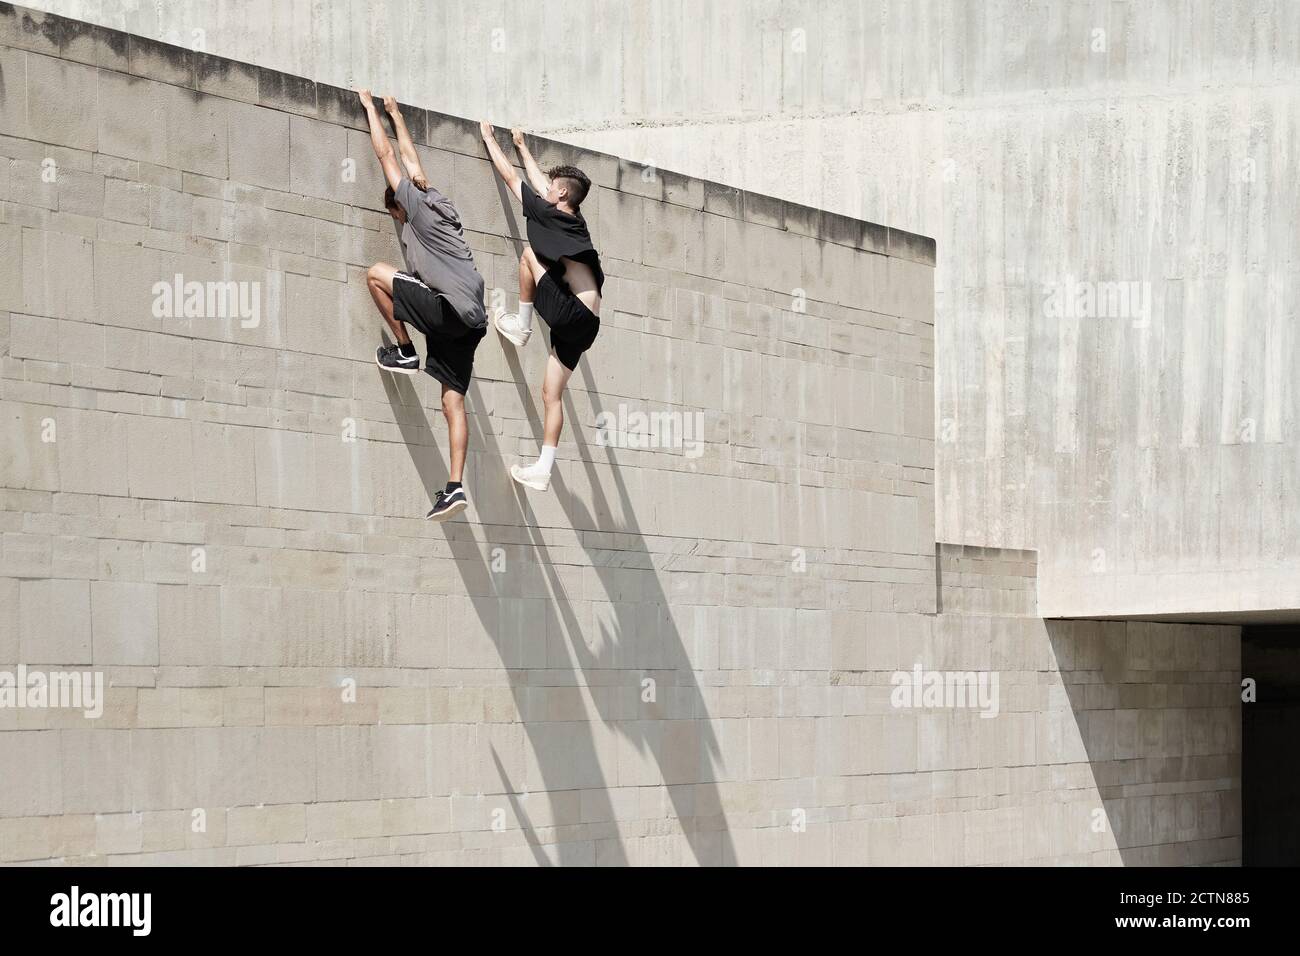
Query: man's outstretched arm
x=405, y=145
x=379, y=140
x=502, y=165
x=536, y=178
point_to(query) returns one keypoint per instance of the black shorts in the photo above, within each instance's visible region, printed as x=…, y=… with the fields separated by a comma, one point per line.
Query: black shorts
x=449, y=342
x=573, y=325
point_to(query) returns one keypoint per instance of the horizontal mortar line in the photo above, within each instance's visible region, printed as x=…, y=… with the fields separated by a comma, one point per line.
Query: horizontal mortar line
x=31, y=403
x=575, y=544
x=925, y=556
x=907, y=490
x=827, y=304
x=486, y=543
x=310, y=585
x=827, y=350
x=605, y=397
x=737, y=679
x=675, y=542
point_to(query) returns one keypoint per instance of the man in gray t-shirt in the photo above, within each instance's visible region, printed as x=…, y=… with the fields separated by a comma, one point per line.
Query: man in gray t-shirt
x=434, y=247
x=440, y=292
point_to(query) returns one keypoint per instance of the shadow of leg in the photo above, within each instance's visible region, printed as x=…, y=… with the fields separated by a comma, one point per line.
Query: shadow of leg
x=577, y=758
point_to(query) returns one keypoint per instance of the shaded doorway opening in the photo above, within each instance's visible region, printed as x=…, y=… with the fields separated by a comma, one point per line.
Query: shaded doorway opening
x=1270, y=747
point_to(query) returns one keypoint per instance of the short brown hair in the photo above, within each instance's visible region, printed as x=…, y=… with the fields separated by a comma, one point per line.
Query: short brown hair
x=575, y=181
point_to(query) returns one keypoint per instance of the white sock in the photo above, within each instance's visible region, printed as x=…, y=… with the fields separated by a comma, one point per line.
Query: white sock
x=546, y=459
x=526, y=314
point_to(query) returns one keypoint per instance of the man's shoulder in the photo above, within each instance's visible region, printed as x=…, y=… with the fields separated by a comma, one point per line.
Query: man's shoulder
x=532, y=200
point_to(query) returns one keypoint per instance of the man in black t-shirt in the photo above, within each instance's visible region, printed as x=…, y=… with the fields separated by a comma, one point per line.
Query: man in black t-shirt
x=560, y=274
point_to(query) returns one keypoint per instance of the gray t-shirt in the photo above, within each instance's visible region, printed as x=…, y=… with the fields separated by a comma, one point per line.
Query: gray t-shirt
x=435, y=250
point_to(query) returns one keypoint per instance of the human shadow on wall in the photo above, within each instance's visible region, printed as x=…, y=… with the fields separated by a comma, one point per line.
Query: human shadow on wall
x=696, y=796
x=559, y=766
x=687, y=764
x=691, y=782
x=521, y=814
x=1168, y=745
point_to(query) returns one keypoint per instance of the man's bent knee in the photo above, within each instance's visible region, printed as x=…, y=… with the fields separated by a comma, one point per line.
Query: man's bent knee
x=528, y=264
x=381, y=275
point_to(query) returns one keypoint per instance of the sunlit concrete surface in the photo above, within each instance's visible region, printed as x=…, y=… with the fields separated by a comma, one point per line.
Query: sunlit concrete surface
x=672, y=658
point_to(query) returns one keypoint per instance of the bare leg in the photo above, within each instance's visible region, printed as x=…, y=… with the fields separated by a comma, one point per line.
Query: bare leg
x=530, y=273
x=538, y=475
x=527, y=280
x=453, y=408
x=557, y=376
x=379, y=280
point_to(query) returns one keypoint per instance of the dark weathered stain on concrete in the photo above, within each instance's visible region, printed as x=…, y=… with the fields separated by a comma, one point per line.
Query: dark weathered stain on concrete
x=283, y=91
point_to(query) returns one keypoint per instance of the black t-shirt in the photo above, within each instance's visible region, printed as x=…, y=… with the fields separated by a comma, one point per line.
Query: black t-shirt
x=553, y=234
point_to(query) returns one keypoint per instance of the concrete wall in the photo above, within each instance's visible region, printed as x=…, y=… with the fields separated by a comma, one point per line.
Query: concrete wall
x=1149, y=450
x=185, y=512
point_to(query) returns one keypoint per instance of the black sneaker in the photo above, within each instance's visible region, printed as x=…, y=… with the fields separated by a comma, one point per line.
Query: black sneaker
x=446, y=505
x=391, y=359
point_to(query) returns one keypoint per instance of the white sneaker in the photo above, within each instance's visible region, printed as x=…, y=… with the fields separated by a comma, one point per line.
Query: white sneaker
x=508, y=324
x=530, y=476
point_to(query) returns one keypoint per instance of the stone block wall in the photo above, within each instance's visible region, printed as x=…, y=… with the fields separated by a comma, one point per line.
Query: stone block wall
x=1119, y=742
